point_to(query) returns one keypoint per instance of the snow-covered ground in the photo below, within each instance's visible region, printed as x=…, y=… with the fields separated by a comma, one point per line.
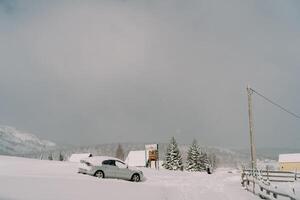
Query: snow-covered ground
x=22, y=178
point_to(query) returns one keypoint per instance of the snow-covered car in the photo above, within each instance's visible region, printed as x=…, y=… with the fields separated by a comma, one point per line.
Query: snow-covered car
x=109, y=167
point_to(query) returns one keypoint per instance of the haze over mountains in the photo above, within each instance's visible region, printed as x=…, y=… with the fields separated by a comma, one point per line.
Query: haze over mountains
x=15, y=142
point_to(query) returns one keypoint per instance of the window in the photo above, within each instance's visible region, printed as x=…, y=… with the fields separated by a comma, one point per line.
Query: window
x=120, y=165
x=105, y=162
x=109, y=162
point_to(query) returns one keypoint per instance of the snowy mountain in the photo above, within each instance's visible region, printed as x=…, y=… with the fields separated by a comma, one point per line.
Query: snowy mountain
x=15, y=142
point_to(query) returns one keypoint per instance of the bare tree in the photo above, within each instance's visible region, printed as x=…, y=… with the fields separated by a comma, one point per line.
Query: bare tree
x=120, y=152
x=213, y=161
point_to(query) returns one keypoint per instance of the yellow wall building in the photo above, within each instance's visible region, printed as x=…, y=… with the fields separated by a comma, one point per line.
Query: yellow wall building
x=289, y=162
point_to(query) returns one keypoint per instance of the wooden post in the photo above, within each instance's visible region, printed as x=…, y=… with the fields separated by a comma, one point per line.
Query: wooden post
x=253, y=158
x=157, y=157
x=243, y=176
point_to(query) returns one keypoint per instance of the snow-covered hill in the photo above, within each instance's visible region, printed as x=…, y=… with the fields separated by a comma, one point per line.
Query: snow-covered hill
x=15, y=142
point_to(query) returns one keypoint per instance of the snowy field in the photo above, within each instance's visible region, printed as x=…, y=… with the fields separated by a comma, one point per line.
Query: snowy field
x=22, y=178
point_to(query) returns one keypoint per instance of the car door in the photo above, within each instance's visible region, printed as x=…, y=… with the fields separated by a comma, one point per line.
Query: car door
x=109, y=168
x=122, y=171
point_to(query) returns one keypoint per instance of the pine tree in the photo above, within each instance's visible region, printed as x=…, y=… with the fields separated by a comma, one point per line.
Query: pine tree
x=120, y=152
x=173, y=160
x=204, y=161
x=193, y=158
x=61, y=157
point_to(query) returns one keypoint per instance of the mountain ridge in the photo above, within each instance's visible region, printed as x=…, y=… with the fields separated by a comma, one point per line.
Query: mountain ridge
x=16, y=142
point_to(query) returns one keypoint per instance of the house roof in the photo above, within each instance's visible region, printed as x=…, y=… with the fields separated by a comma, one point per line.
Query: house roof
x=76, y=157
x=136, y=158
x=295, y=157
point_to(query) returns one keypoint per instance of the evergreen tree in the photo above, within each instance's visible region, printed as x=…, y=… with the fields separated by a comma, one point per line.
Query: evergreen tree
x=193, y=158
x=120, y=152
x=61, y=157
x=173, y=160
x=204, y=161
x=50, y=157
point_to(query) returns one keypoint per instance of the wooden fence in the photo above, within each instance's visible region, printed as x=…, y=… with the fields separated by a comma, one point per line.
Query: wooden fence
x=263, y=183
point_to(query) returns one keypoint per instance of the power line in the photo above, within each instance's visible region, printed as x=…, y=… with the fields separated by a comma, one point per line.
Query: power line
x=275, y=104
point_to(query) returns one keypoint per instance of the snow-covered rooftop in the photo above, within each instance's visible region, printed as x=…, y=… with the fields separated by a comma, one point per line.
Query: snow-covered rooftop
x=295, y=157
x=136, y=159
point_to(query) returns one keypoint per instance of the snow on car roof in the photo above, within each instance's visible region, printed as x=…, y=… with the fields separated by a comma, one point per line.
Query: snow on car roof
x=295, y=157
x=100, y=159
x=76, y=157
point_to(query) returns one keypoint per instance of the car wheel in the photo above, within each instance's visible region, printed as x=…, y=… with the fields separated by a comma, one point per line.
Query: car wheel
x=135, y=178
x=99, y=174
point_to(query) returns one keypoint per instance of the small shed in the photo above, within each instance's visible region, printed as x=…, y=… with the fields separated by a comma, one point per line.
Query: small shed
x=76, y=157
x=289, y=162
x=136, y=159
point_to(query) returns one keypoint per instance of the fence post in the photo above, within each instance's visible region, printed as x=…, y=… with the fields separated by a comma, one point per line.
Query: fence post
x=267, y=173
x=243, y=175
x=253, y=183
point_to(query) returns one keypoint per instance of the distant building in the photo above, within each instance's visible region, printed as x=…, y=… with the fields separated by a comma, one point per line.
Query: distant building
x=76, y=157
x=267, y=164
x=289, y=162
x=136, y=159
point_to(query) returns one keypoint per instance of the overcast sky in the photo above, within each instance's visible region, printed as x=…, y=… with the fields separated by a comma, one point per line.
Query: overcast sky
x=90, y=72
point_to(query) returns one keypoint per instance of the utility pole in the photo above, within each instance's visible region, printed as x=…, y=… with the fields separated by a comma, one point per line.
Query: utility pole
x=253, y=157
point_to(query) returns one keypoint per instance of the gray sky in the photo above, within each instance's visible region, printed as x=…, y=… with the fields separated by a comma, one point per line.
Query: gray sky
x=88, y=72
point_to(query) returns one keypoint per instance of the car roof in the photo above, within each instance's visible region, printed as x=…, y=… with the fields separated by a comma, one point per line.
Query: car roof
x=99, y=159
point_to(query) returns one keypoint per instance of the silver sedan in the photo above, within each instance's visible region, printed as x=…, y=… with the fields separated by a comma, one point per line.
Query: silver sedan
x=109, y=167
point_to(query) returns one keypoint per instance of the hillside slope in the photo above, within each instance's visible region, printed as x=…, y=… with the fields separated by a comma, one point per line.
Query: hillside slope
x=15, y=142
